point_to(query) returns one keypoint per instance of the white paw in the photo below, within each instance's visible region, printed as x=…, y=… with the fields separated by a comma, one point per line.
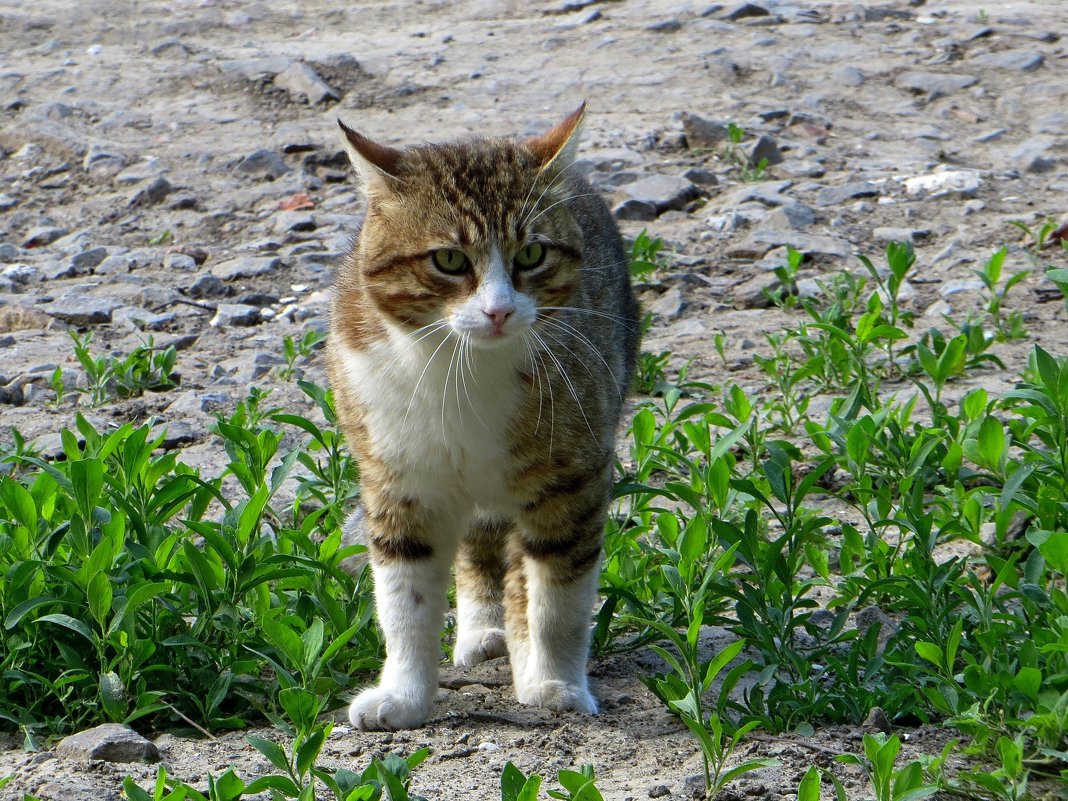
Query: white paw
x=558, y=696
x=379, y=709
x=477, y=646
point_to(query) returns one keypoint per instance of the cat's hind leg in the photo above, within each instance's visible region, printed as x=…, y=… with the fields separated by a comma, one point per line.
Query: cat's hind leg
x=480, y=594
x=410, y=560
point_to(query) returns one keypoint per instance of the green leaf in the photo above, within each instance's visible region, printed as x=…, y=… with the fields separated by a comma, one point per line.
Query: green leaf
x=71, y=623
x=113, y=697
x=1028, y=681
x=134, y=792
x=309, y=750
x=931, y=652
x=272, y=750
x=809, y=788
x=301, y=706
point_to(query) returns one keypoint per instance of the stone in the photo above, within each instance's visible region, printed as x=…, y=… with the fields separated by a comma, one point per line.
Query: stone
x=669, y=25
x=664, y=192
x=246, y=267
x=196, y=402
x=701, y=176
x=848, y=76
x=632, y=209
x=82, y=310
x=255, y=69
x=659, y=791
x=287, y=221
x=764, y=148
x=668, y=305
x=934, y=84
x=764, y=239
x=235, y=314
x=151, y=192
x=304, y=83
x=88, y=260
x=790, y=217
x=43, y=235
x=208, y=286
x=179, y=261
x=877, y=720
x=110, y=742
x=702, y=132
x=833, y=195
x=7, y=202
x=738, y=11
x=9, y=253
x=292, y=137
x=1034, y=156
x=951, y=288
x=176, y=433
x=1012, y=60
x=891, y=234
x=101, y=159
x=944, y=184
x=264, y=163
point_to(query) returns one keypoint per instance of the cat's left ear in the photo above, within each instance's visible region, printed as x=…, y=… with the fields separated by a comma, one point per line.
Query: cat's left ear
x=373, y=162
x=560, y=144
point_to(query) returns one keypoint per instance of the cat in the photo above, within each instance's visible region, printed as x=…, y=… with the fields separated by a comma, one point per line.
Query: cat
x=483, y=336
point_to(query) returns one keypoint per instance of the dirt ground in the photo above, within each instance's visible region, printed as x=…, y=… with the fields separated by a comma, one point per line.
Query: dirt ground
x=153, y=158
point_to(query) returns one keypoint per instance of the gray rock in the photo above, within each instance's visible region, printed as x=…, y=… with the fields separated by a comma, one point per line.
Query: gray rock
x=756, y=292
x=235, y=314
x=292, y=137
x=179, y=261
x=702, y=132
x=668, y=305
x=9, y=253
x=208, y=286
x=43, y=235
x=664, y=192
x=790, y=217
x=195, y=402
x=764, y=239
x=246, y=267
x=110, y=743
x=934, y=84
x=151, y=192
x=100, y=159
x=82, y=310
x=1034, y=155
x=139, y=319
x=264, y=163
x=177, y=433
x=630, y=209
x=255, y=69
x=293, y=221
x=670, y=25
x=951, y=288
x=891, y=234
x=944, y=184
x=701, y=176
x=833, y=195
x=113, y=265
x=304, y=83
x=848, y=76
x=763, y=148
x=7, y=202
x=1012, y=60
x=738, y=11
x=88, y=260
x=770, y=193
x=802, y=168
x=877, y=720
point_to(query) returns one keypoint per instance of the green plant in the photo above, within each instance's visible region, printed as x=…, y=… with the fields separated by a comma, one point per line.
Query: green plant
x=734, y=154
x=645, y=256
x=888, y=784
x=1010, y=327
x=292, y=349
x=109, y=377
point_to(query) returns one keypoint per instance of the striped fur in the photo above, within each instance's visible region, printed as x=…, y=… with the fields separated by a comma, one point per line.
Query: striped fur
x=482, y=407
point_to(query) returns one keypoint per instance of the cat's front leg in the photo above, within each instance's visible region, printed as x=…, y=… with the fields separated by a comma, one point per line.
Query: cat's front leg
x=411, y=574
x=556, y=567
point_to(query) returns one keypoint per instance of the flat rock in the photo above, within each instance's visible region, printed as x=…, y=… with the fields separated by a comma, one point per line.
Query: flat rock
x=764, y=239
x=287, y=221
x=848, y=75
x=702, y=132
x=668, y=305
x=892, y=234
x=43, y=235
x=110, y=743
x=179, y=261
x=263, y=163
x=89, y=259
x=766, y=149
x=235, y=314
x=82, y=309
x=254, y=69
x=945, y=184
x=1012, y=60
x=935, y=84
x=1035, y=155
x=737, y=11
x=790, y=217
x=631, y=209
x=208, y=286
x=246, y=267
x=304, y=83
x=151, y=192
x=664, y=192
x=833, y=195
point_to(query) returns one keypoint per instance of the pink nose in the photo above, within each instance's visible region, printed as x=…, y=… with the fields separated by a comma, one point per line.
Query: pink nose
x=499, y=315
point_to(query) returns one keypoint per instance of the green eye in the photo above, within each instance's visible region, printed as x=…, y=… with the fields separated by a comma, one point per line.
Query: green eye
x=450, y=260
x=530, y=256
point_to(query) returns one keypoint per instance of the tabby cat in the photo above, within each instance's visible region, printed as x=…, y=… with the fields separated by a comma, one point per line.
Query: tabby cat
x=483, y=335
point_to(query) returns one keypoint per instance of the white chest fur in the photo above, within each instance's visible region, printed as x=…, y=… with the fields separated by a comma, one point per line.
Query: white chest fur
x=439, y=414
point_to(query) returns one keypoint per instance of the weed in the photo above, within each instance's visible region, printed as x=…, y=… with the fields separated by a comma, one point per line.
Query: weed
x=734, y=154
x=292, y=349
x=109, y=377
x=646, y=256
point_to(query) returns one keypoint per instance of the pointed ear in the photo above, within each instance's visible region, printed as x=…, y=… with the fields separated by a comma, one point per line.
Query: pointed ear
x=560, y=143
x=372, y=161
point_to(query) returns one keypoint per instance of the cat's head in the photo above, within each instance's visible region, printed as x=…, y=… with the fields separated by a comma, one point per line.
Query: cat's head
x=475, y=235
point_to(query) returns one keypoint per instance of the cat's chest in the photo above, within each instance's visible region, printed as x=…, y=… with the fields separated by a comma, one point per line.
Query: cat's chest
x=441, y=417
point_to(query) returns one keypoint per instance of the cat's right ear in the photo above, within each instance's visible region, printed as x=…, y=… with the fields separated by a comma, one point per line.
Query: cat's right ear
x=374, y=163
